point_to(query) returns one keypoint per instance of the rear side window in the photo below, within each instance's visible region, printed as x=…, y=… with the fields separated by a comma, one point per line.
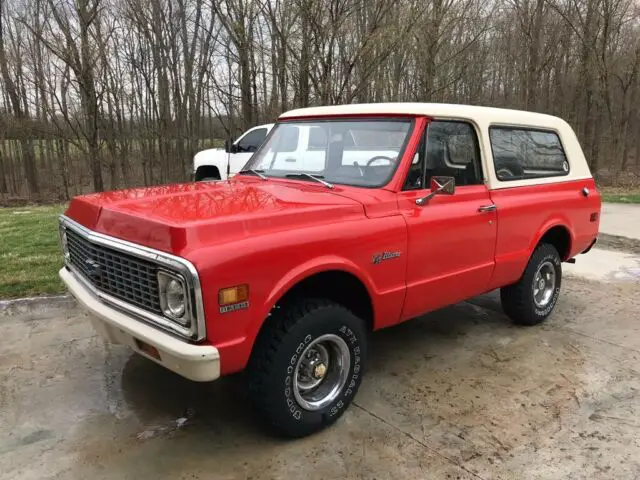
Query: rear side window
x=520, y=153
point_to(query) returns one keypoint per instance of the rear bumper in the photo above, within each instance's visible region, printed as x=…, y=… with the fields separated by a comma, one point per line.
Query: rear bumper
x=195, y=362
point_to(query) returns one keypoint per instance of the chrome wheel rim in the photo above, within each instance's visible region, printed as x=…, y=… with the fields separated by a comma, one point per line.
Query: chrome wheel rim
x=544, y=284
x=321, y=372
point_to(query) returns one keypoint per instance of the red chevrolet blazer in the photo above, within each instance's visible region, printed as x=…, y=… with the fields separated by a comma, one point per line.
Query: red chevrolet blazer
x=346, y=220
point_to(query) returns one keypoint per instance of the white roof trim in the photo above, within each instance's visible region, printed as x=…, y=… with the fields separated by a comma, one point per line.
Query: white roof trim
x=442, y=110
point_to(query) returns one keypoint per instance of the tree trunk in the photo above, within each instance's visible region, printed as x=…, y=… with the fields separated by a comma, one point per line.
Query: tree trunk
x=26, y=145
x=303, y=67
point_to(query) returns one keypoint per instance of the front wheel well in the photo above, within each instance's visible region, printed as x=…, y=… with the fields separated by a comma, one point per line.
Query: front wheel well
x=560, y=238
x=338, y=286
x=207, y=172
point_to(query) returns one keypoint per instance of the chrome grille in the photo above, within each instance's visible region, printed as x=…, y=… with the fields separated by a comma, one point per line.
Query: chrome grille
x=123, y=276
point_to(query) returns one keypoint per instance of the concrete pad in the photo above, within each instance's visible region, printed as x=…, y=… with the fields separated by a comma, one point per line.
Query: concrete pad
x=605, y=265
x=620, y=219
x=460, y=393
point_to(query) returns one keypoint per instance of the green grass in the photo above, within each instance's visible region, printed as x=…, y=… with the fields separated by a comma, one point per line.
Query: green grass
x=30, y=251
x=621, y=197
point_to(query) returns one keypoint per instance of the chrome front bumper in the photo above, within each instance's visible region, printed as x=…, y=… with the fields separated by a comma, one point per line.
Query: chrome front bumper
x=195, y=362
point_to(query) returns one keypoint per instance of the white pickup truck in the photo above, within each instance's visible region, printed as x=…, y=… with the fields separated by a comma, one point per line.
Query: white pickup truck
x=299, y=148
x=213, y=163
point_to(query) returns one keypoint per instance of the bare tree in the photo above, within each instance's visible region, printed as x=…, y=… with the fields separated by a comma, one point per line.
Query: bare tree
x=17, y=104
x=111, y=93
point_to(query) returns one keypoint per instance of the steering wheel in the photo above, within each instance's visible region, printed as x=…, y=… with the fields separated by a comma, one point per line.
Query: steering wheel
x=505, y=174
x=510, y=172
x=379, y=157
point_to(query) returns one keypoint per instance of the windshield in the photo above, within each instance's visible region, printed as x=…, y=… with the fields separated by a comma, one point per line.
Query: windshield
x=350, y=152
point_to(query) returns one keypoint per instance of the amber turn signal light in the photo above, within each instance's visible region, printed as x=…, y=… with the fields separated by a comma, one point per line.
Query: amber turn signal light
x=148, y=349
x=230, y=295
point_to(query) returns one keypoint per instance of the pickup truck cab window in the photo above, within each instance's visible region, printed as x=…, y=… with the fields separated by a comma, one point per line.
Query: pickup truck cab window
x=448, y=148
x=252, y=140
x=522, y=153
x=362, y=152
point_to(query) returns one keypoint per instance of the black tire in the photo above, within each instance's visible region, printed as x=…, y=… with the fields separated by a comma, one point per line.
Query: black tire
x=518, y=300
x=274, y=362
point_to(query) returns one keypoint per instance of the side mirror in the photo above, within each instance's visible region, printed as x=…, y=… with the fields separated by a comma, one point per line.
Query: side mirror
x=439, y=186
x=230, y=147
x=443, y=185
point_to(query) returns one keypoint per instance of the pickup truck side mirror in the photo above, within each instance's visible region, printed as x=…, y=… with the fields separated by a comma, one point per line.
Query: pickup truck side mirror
x=439, y=186
x=230, y=147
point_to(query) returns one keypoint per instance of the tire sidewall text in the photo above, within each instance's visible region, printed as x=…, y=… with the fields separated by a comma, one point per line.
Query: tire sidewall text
x=356, y=349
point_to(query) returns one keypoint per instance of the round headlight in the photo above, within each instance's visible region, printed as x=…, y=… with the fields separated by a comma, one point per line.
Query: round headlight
x=175, y=298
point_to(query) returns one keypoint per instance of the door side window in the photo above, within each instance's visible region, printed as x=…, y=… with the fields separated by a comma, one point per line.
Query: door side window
x=448, y=148
x=252, y=140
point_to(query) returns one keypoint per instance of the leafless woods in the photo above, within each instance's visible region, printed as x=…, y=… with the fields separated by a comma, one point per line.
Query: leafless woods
x=102, y=94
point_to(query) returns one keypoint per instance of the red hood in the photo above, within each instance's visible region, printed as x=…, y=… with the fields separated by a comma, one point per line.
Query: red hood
x=172, y=217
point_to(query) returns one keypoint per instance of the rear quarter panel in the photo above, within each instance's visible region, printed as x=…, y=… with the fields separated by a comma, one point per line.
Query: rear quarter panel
x=526, y=213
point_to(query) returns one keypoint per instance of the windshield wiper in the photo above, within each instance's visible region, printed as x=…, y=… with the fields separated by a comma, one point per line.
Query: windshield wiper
x=255, y=172
x=313, y=177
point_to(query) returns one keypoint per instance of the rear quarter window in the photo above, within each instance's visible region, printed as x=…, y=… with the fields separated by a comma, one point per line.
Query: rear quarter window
x=522, y=153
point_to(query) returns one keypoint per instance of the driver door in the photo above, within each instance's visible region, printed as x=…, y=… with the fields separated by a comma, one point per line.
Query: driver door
x=451, y=238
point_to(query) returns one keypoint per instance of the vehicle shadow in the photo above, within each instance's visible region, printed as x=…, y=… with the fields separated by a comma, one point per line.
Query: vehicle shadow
x=160, y=397
x=444, y=329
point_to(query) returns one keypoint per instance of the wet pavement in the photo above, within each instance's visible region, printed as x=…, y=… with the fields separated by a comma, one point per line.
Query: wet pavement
x=460, y=394
x=620, y=219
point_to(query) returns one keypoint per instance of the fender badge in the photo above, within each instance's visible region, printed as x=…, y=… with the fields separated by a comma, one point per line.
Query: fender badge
x=380, y=257
x=234, y=307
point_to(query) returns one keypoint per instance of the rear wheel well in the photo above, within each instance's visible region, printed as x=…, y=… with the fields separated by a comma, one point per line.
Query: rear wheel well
x=560, y=238
x=207, y=172
x=339, y=287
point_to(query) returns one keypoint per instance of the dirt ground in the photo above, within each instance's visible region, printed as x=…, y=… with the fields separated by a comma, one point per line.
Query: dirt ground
x=458, y=394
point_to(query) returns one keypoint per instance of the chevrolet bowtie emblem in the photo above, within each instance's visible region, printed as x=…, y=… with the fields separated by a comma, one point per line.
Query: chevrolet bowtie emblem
x=92, y=267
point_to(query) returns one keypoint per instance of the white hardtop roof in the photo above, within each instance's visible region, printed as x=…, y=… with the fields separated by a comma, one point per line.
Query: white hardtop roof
x=481, y=115
x=483, y=118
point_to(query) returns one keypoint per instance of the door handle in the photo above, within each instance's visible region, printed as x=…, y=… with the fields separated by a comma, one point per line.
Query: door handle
x=488, y=208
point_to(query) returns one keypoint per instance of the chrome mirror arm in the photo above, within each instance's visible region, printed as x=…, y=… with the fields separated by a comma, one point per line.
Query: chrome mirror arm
x=423, y=200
